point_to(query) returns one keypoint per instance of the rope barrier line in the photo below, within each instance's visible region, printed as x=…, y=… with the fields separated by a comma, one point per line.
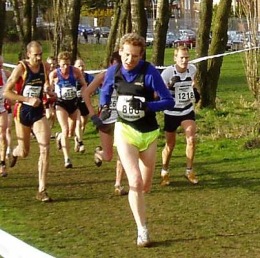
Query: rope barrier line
x=194, y=61
x=12, y=247
x=90, y=71
x=197, y=60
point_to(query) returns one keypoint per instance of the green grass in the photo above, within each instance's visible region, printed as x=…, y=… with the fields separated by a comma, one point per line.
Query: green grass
x=217, y=218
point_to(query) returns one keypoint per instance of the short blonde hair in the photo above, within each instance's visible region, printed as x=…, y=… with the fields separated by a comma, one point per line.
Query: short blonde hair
x=133, y=39
x=65, y=55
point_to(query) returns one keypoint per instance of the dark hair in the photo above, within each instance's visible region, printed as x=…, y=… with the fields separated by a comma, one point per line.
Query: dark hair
x=115, y=57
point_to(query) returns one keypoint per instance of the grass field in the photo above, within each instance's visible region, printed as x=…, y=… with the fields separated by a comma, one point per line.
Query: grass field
x=217, y=218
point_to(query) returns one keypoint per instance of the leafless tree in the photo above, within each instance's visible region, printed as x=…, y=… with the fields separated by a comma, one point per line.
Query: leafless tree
x=251, y=57
x=66, y=20
x=209, y=72
x=25, y=20
x=161, y=27
x=138, y=16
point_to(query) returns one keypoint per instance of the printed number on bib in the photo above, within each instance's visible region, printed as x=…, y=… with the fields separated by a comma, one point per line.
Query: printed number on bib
x=113, y=102
x=125, y=111
x=112, y=105
x=79, y=93
x=184, y=93
x=32, y=91
x=68, y=93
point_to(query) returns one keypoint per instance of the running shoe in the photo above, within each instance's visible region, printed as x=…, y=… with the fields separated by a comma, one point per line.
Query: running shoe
x=43, y=196
x=97, y=159
x=119, y=190
x=165, y=179
x=12, y=161
x=143, y=239
x=190, y=175
x=68, y=164
x=82, y=148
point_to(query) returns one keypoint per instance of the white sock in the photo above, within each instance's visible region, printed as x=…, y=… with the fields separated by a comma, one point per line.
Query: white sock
x=164, y=172
x=141, y=229
x=8, y=150
x=188, y=170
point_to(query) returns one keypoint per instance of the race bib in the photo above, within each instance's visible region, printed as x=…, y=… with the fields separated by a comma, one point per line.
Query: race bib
x=125, y=111
x=68, y=93
x=113, y=103
x=32, y=91
x=184, y=92
x=79, y=93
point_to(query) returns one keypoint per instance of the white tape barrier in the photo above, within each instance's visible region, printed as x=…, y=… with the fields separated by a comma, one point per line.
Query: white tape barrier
x=90, y=71
x=194, y=61
x=12, y=247
x=197, y=60
x=9, y=65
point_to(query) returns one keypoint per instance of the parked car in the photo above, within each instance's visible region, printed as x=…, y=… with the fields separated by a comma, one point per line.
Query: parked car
x=103, y=31
x=229, y=43
x=149, y=39
x=238, y=42
x=187, y=32
x=189, y=41
x=85, y=27
x=170, y=38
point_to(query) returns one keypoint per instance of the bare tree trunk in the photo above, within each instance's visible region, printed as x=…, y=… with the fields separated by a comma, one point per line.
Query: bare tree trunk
x=17, y=19
x=209, y=71
x=23, y=16
x=66, y=20
x=203, y=36
x=217, y=46
x=34, y=4
x=139, y=19
x=27, y=21
x=125, y=19
x=111, y=41
x=251, y=58
x=2, y=24
x=161, y=27
x=75, y=17
x=57, y=34
x=121, y=24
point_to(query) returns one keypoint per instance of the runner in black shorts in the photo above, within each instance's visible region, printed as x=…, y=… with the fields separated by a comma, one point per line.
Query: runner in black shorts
x=64, y=79
x=30, y=80
x=179, y=79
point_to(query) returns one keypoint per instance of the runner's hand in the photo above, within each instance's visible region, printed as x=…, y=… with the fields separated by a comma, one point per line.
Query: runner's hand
x=137, y=104
x=97, y=121
x=105, y=112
